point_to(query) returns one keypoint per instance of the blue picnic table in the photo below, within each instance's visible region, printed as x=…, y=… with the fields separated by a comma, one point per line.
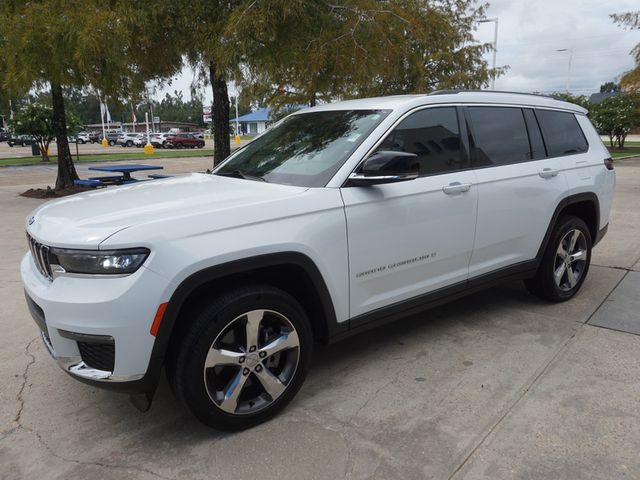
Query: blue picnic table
x=122, y=179
x=126, y=170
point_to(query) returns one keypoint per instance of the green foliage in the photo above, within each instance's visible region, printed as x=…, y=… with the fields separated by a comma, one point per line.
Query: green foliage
x=609, y=87
x=630, y=81
x=175, y=108
x=36, y=119
x=304, y=51
x=580, y=100
x=616, y=116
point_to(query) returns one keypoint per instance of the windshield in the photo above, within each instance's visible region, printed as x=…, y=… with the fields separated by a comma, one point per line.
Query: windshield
x=305, y=150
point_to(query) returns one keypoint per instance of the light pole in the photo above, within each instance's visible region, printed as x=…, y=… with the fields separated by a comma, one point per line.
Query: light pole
x=237, y=124
x=570, y=50
x=495, y=48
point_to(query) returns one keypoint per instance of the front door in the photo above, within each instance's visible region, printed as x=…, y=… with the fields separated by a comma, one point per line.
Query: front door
x=410, y=238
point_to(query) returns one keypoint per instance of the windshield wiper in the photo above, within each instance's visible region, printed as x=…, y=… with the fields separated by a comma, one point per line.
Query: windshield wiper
x=239, y=174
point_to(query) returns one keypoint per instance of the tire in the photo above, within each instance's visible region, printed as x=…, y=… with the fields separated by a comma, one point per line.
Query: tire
x=568, y=254
x=112, y=143
x=226, y=322
x=129, y=143
x=178, y=145
x=81, y=142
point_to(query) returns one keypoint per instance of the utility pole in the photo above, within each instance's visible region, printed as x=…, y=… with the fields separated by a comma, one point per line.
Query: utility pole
x=570, y=50
x=495, y=48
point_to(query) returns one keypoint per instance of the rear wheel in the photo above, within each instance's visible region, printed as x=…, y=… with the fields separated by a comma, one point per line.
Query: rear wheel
x=129, y=143
x=565, y=263
x=243, y=359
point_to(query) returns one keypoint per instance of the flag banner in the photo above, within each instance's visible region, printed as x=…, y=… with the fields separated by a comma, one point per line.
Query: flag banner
x=106, y=109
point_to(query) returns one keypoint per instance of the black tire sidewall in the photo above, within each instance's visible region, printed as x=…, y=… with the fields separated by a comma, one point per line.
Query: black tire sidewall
x=188, y=375
x=565, y=225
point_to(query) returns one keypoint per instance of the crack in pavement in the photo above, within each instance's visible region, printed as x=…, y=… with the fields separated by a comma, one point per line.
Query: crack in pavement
x=89, y=463
x=18, y=419
x=25, y=375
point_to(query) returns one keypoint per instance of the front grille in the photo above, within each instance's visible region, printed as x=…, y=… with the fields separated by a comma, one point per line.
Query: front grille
x=100, y=356
x=40, y=254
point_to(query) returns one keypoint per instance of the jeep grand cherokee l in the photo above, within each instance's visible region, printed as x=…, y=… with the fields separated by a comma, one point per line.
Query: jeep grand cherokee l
x=337, y=219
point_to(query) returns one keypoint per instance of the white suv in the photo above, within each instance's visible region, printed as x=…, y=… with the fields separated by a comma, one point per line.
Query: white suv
x=337, y=219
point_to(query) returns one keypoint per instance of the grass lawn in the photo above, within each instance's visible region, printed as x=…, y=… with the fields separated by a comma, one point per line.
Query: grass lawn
x=627, y=151
x=112, y=157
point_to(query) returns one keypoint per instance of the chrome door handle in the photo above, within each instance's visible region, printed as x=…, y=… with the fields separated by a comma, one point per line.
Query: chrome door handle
x=456, y=187
x=548, y=173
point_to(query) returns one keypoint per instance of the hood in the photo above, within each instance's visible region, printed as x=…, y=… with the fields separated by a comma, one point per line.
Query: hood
x=87, y=219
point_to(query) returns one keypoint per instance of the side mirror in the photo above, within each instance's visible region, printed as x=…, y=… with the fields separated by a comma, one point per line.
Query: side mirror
x=386, y=167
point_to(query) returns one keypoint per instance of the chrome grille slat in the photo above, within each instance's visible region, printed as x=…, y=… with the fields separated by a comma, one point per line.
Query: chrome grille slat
x=40, y=254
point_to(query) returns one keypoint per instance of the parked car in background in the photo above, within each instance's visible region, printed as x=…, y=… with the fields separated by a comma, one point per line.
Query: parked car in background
x=184, y=140
x=112, y=137
x=159, y=140
x=4, y=136
x=128, y=139
x=20, y=140
x=199, y=135
x=88, y=137
x=141, y=140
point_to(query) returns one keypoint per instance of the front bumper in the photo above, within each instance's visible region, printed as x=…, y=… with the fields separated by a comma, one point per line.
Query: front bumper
x=73, y=312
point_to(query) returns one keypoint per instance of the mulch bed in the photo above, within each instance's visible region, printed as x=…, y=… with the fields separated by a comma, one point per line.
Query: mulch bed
x=51, y=193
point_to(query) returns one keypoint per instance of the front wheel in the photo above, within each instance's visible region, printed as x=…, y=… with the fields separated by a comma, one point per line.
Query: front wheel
x=565, y=262
x=243, y=359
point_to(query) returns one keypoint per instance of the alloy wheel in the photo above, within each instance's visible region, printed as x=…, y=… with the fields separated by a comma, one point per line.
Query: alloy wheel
x=251, y=362
x=570, y=260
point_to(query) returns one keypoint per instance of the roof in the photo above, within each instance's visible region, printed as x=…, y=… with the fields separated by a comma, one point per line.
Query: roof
x=488, y=96
x=260, y=115
x=600, y=96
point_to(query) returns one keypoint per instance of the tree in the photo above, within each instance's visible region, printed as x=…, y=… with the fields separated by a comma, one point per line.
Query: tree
x=616, y=116
x=580, y=100
x=630, y=81
x=310, y=51
x=36, y=119
x=609, y=87
x=78, y=43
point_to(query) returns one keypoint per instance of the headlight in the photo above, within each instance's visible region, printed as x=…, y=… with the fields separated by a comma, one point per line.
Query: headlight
x=98, y=262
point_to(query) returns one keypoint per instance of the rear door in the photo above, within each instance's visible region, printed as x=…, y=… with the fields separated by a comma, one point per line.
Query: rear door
x=518, y=186
x=411, y=238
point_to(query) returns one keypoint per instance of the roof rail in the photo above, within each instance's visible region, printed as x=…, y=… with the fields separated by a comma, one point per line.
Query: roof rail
x=452, y=92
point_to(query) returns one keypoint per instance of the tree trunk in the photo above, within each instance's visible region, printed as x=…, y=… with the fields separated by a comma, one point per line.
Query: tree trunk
x=220, y=124
x=66, y=171
x=43, y=146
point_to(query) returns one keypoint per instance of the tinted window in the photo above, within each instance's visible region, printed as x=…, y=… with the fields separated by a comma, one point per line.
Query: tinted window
x=433, y=135
x=500, y=136
x=562, y=133
x=305, y=149
x=535, y=136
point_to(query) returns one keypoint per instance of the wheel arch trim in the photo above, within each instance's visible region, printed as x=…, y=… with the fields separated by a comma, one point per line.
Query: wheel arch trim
x=191, y=283
x=564, y=203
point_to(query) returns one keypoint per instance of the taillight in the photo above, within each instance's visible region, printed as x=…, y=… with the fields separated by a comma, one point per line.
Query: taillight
x=608, y=163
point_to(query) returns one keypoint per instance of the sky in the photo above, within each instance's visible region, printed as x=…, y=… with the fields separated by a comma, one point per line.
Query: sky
x=530, y=33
